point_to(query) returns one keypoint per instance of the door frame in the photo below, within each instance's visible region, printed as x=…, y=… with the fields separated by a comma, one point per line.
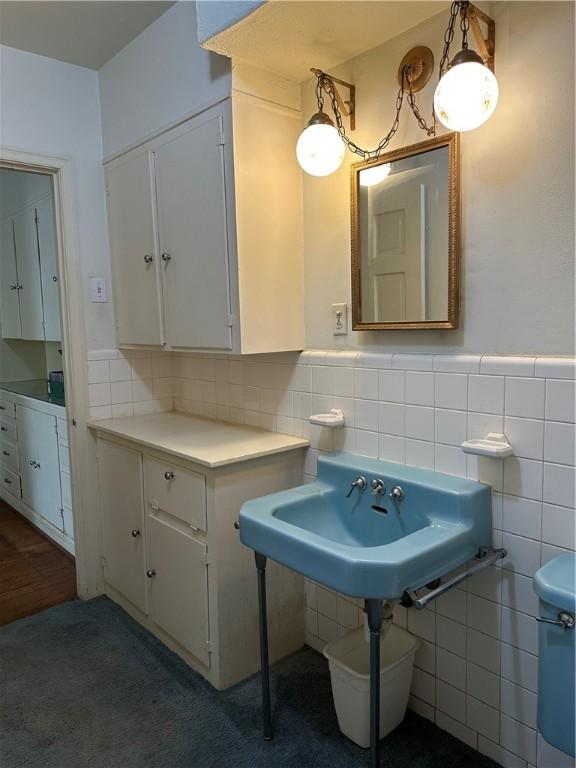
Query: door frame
x=83, y=466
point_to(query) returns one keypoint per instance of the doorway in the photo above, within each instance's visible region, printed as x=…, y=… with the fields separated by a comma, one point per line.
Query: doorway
x=66, y=358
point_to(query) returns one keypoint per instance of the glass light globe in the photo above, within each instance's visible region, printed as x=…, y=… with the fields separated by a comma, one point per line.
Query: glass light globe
x=467, y=94
x=320, y=150
x=371, y=176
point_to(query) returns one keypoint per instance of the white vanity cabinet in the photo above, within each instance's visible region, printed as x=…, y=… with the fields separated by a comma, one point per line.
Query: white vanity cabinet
x=170, y=553
x=205, y=230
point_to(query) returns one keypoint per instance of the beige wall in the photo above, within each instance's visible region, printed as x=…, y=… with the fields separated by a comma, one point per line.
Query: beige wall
x=518, y=192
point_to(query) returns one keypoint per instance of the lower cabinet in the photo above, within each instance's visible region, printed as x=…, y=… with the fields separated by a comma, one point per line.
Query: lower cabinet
x=39, y=464
x=35, y=464
x=172, y=558
x=122, y=513
x=178, y=574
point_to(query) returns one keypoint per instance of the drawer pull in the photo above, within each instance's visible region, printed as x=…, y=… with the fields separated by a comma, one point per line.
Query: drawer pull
x=7, y=481
x=135, y=533
x=3, y=429
x=151, y=573
x=169, y=475
x=2, y=407
x=6, y=453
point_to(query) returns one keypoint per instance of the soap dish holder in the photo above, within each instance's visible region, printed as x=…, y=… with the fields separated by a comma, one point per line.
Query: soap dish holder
x=494, y=444
x=333, y=419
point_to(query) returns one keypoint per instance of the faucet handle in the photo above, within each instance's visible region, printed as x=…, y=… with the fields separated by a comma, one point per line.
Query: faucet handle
x=359, y=483
x=378, y=487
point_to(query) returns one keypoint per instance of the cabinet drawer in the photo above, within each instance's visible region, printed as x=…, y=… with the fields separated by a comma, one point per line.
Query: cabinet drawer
x=8, y=430
x=177, y=491
x=9, y=455
x=10, y=481
x=7, y=409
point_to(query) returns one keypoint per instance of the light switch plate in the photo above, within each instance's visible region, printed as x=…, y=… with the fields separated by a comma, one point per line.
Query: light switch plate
x=98, y=293
x=340, y=319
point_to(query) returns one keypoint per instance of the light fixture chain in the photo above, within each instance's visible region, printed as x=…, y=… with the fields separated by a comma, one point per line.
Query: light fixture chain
x=325, y=83
x=449, y=35
x=430, y=130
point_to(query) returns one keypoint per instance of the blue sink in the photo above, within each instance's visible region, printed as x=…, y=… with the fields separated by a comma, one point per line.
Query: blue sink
x=348, y=545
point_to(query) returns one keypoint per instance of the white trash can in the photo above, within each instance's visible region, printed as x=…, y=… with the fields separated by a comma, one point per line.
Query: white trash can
x=349, y=660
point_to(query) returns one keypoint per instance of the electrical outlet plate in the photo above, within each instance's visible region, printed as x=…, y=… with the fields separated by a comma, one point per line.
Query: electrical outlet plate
x=340, y=319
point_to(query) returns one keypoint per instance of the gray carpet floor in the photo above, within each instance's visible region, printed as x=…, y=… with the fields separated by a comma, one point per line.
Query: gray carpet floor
x=84, y=686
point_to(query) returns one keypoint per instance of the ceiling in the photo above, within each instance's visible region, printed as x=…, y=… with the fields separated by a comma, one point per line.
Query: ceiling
x=285, y=36
x=87, y=33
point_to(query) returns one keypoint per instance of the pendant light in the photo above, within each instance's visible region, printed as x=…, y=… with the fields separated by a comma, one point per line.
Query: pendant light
x=320, y=150
x=467, y=93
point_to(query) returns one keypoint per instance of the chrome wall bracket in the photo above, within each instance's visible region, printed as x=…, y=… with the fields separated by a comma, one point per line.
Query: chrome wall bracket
x=486, y=556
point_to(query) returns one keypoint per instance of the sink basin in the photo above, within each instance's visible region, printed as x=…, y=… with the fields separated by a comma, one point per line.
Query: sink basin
x=355, y=549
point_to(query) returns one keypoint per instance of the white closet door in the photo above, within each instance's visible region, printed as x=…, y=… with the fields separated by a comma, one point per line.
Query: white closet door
x=39, y=464
x=28, y=265
x=49, y=269
x=193, y=234
x=132, y=242
x=10, y=325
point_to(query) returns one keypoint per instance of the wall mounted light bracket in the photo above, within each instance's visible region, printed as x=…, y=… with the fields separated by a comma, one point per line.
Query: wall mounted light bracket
x=348, y=106
x=486, y=45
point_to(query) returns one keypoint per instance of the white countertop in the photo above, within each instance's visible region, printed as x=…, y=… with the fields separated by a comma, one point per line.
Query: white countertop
x=206, y=442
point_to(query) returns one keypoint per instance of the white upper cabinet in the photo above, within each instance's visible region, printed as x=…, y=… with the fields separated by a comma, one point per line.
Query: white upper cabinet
x=131, y=210
x=10, y=324
x=29, y=290
x=49, y=270
x=218, y=205
x=193, y=237
x=28, y=266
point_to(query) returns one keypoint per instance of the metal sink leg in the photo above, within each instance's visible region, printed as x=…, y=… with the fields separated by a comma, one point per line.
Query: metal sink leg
x=264, y=662
x=374, y=612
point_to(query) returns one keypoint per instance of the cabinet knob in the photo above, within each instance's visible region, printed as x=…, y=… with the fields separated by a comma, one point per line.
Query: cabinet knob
x=166, y=257
x=151, y=573
x=7, y=481
x=13, y=287
x=237, y=525
x=3, y=429
x=169, y=475
x=32, y=463
x=135, y=533
x=2, y=407
x=148, y=259
x=6, y=453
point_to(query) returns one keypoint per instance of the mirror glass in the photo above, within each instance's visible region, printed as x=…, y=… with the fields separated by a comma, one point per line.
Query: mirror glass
x=405, y=238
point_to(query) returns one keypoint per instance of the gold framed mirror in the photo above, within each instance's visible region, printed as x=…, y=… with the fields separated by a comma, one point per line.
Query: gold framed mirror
x=406, y=238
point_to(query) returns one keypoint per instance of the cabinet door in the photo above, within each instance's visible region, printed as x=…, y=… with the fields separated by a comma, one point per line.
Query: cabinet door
x=178, y=586
x=10, y=325
x=122, y=515
x=47, y=246
x=132, y=243
x=193, y=234
x=39, y=465
x=28, y=266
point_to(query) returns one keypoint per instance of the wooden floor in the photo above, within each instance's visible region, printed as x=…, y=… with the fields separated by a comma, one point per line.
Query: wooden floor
x=34, y=573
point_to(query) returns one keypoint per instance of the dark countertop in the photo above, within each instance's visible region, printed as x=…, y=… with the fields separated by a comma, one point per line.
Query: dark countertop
x=35, y=388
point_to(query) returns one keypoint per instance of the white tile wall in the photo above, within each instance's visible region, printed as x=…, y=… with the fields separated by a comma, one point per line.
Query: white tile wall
x=476, y=673
x=129, y=383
